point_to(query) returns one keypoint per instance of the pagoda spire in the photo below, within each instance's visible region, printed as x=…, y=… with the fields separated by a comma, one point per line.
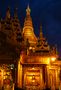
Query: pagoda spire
x=8, y=13
x=28, y=30
x=28, y=10
x=28, y=19
x=41, y=33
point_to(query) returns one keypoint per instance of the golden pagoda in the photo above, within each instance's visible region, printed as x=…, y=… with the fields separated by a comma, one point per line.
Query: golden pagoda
x=28, y=30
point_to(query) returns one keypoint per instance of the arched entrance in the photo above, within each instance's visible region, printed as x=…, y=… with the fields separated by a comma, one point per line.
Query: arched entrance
x=33, y=79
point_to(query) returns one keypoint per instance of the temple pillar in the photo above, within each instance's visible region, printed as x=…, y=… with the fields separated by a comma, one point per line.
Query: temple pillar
x=19, y=75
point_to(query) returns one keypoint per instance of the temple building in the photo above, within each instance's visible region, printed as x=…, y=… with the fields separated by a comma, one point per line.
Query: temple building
x=34, y=62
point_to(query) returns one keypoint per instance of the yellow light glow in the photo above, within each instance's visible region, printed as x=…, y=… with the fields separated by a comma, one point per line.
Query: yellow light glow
x=53, y=59
x=30, y=77
x=44, y=60
x=33, y=80
x=30, y=48
x=33, y=68
x=48, y=60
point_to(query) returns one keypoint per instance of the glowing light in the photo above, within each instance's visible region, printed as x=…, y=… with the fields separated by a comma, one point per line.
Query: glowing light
x=12, y=66
x=53, y=59
x=33, y=68
x=33, y=80
x=30, y=77
x=30, y=48
x=48, y=60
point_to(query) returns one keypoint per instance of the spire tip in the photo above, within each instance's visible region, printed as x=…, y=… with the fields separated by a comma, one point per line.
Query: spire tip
x=28, y=10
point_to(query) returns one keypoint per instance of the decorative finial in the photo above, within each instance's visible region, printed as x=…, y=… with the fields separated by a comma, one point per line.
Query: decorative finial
x=28, y=10
x=8, y=13
x=41, y=33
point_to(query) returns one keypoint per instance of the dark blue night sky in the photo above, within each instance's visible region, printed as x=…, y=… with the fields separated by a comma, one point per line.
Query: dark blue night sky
x=47, y=12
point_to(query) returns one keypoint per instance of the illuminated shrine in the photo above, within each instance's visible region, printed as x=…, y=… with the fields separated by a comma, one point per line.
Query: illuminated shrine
x=30, y=62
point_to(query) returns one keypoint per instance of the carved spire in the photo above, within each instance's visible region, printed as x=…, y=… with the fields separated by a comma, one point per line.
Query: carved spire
x=28, y=10
x=41, y=33
x=8, y=13
x=42, y=43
